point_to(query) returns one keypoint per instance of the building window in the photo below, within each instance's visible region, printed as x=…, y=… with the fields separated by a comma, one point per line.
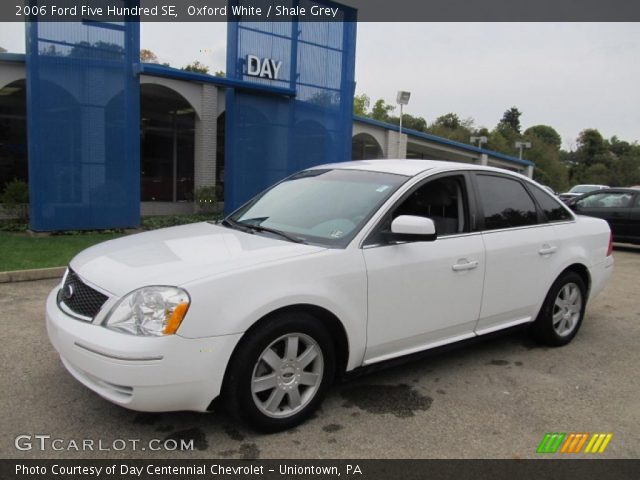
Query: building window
x=167, y=145
x=13, y=133
x=365, y=147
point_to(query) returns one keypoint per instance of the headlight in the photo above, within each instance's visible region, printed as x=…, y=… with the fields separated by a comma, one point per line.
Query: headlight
x=149, y=311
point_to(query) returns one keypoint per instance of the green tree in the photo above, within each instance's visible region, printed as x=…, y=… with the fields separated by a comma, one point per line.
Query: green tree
x=512, y=118
x=220, y=73
x=481, y=132
x=361, y=105
x=449, y=120
x=548, y=170
x=381, y=110
x=410, y=122
x=627, y=170
x=546, y=134
x=597, y=174
x=500, y=140
x=196, y=67
x=147, y=56
x=452, y=127
x=590, y=143
x=618, y=147
x=503, y=139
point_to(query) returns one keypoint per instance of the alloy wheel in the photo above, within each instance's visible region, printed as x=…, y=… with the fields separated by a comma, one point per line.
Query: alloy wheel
x=567, y=309
x=287, y=375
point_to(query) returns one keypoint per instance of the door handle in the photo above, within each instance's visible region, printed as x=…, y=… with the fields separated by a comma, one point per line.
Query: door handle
x=465, y=266
x=547, y=250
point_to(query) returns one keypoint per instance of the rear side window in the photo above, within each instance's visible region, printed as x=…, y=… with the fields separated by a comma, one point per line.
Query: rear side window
x=551, y=207
x=506, y=203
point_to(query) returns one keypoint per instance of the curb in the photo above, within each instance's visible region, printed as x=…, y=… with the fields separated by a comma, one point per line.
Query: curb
x=35, y=274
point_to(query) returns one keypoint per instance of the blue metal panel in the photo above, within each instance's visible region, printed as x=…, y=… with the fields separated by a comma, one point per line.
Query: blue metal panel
x=83, y=116
x=269, y=137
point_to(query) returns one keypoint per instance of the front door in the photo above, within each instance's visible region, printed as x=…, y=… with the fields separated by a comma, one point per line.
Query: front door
x=424, y=294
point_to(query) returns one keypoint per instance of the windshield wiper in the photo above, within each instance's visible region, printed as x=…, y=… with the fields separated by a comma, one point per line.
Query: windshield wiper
x=260, y=228
x=227, y=222
x=248, y=228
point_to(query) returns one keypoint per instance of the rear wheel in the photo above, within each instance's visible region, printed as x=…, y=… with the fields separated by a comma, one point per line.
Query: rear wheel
x=280, y=372
x=562, y=312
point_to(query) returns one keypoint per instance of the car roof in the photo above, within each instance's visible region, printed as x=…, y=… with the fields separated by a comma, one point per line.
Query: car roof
x=407, y=167
x=614, y=190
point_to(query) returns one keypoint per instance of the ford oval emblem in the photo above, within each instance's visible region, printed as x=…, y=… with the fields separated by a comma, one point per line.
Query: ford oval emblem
x=67, y=292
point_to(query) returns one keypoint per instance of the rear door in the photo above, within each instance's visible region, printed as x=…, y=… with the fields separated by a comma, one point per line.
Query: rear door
x=521, y=247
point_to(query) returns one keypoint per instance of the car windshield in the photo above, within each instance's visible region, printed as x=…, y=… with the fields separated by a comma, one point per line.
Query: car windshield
x=584, y=188
x=325, y=207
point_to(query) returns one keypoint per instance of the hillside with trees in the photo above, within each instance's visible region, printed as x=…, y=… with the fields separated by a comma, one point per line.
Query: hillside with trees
x=612, y=162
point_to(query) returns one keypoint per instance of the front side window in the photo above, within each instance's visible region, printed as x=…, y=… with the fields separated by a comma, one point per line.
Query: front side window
x=550, y=206
x=325, y=207
x=443, y=200
x=606, y=200
x=505, y=202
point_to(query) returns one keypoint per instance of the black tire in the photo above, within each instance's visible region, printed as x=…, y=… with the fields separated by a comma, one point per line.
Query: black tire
x=238, y=396
x=543, y=328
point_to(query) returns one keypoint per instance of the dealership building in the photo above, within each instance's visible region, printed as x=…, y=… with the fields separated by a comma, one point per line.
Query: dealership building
x=103, y=139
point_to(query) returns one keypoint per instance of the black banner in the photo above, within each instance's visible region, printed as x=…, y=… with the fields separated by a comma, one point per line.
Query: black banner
x=321, y=469
x=287, y=10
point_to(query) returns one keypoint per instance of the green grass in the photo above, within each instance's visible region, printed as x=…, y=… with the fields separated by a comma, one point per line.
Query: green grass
x=18, y=251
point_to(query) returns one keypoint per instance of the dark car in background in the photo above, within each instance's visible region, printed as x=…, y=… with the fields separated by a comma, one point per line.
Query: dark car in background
x=579, y=190
x=618, y=206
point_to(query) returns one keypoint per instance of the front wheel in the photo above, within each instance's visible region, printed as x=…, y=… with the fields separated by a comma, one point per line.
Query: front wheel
x=280, y=372
x=562, y=312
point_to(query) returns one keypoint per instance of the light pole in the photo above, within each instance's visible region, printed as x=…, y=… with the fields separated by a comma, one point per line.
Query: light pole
x=480, y=140
x=521, y=146
x=402, y=99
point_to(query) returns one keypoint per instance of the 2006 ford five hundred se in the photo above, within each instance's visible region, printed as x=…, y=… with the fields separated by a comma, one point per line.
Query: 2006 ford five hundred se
x=336, y=267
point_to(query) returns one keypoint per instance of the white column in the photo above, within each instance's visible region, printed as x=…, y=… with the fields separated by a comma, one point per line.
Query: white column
x=396, y=145
x=206, y=138
x=484, y=159
x=529, y=172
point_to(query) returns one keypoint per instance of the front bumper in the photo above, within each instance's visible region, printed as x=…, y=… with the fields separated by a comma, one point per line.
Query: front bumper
x=151, y=374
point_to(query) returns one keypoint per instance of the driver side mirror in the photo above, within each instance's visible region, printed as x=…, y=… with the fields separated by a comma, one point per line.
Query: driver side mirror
x=411, y=228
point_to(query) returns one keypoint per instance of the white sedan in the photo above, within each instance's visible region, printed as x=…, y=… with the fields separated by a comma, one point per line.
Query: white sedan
x=334, y=268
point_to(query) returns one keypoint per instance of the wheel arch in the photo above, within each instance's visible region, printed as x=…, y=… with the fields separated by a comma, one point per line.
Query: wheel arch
x=330, y=321
x=582, y=271
x=577, y=267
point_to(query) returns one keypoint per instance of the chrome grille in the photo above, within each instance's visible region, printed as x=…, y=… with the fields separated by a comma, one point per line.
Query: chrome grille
x=80, y=299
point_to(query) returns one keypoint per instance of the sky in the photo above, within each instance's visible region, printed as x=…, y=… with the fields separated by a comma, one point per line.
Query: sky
x=571, y=76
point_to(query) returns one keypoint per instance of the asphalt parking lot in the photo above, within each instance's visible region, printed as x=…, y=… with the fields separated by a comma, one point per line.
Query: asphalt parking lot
x=495, y=399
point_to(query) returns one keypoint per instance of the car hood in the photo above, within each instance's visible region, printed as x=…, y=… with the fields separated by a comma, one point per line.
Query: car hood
x=177, y=255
